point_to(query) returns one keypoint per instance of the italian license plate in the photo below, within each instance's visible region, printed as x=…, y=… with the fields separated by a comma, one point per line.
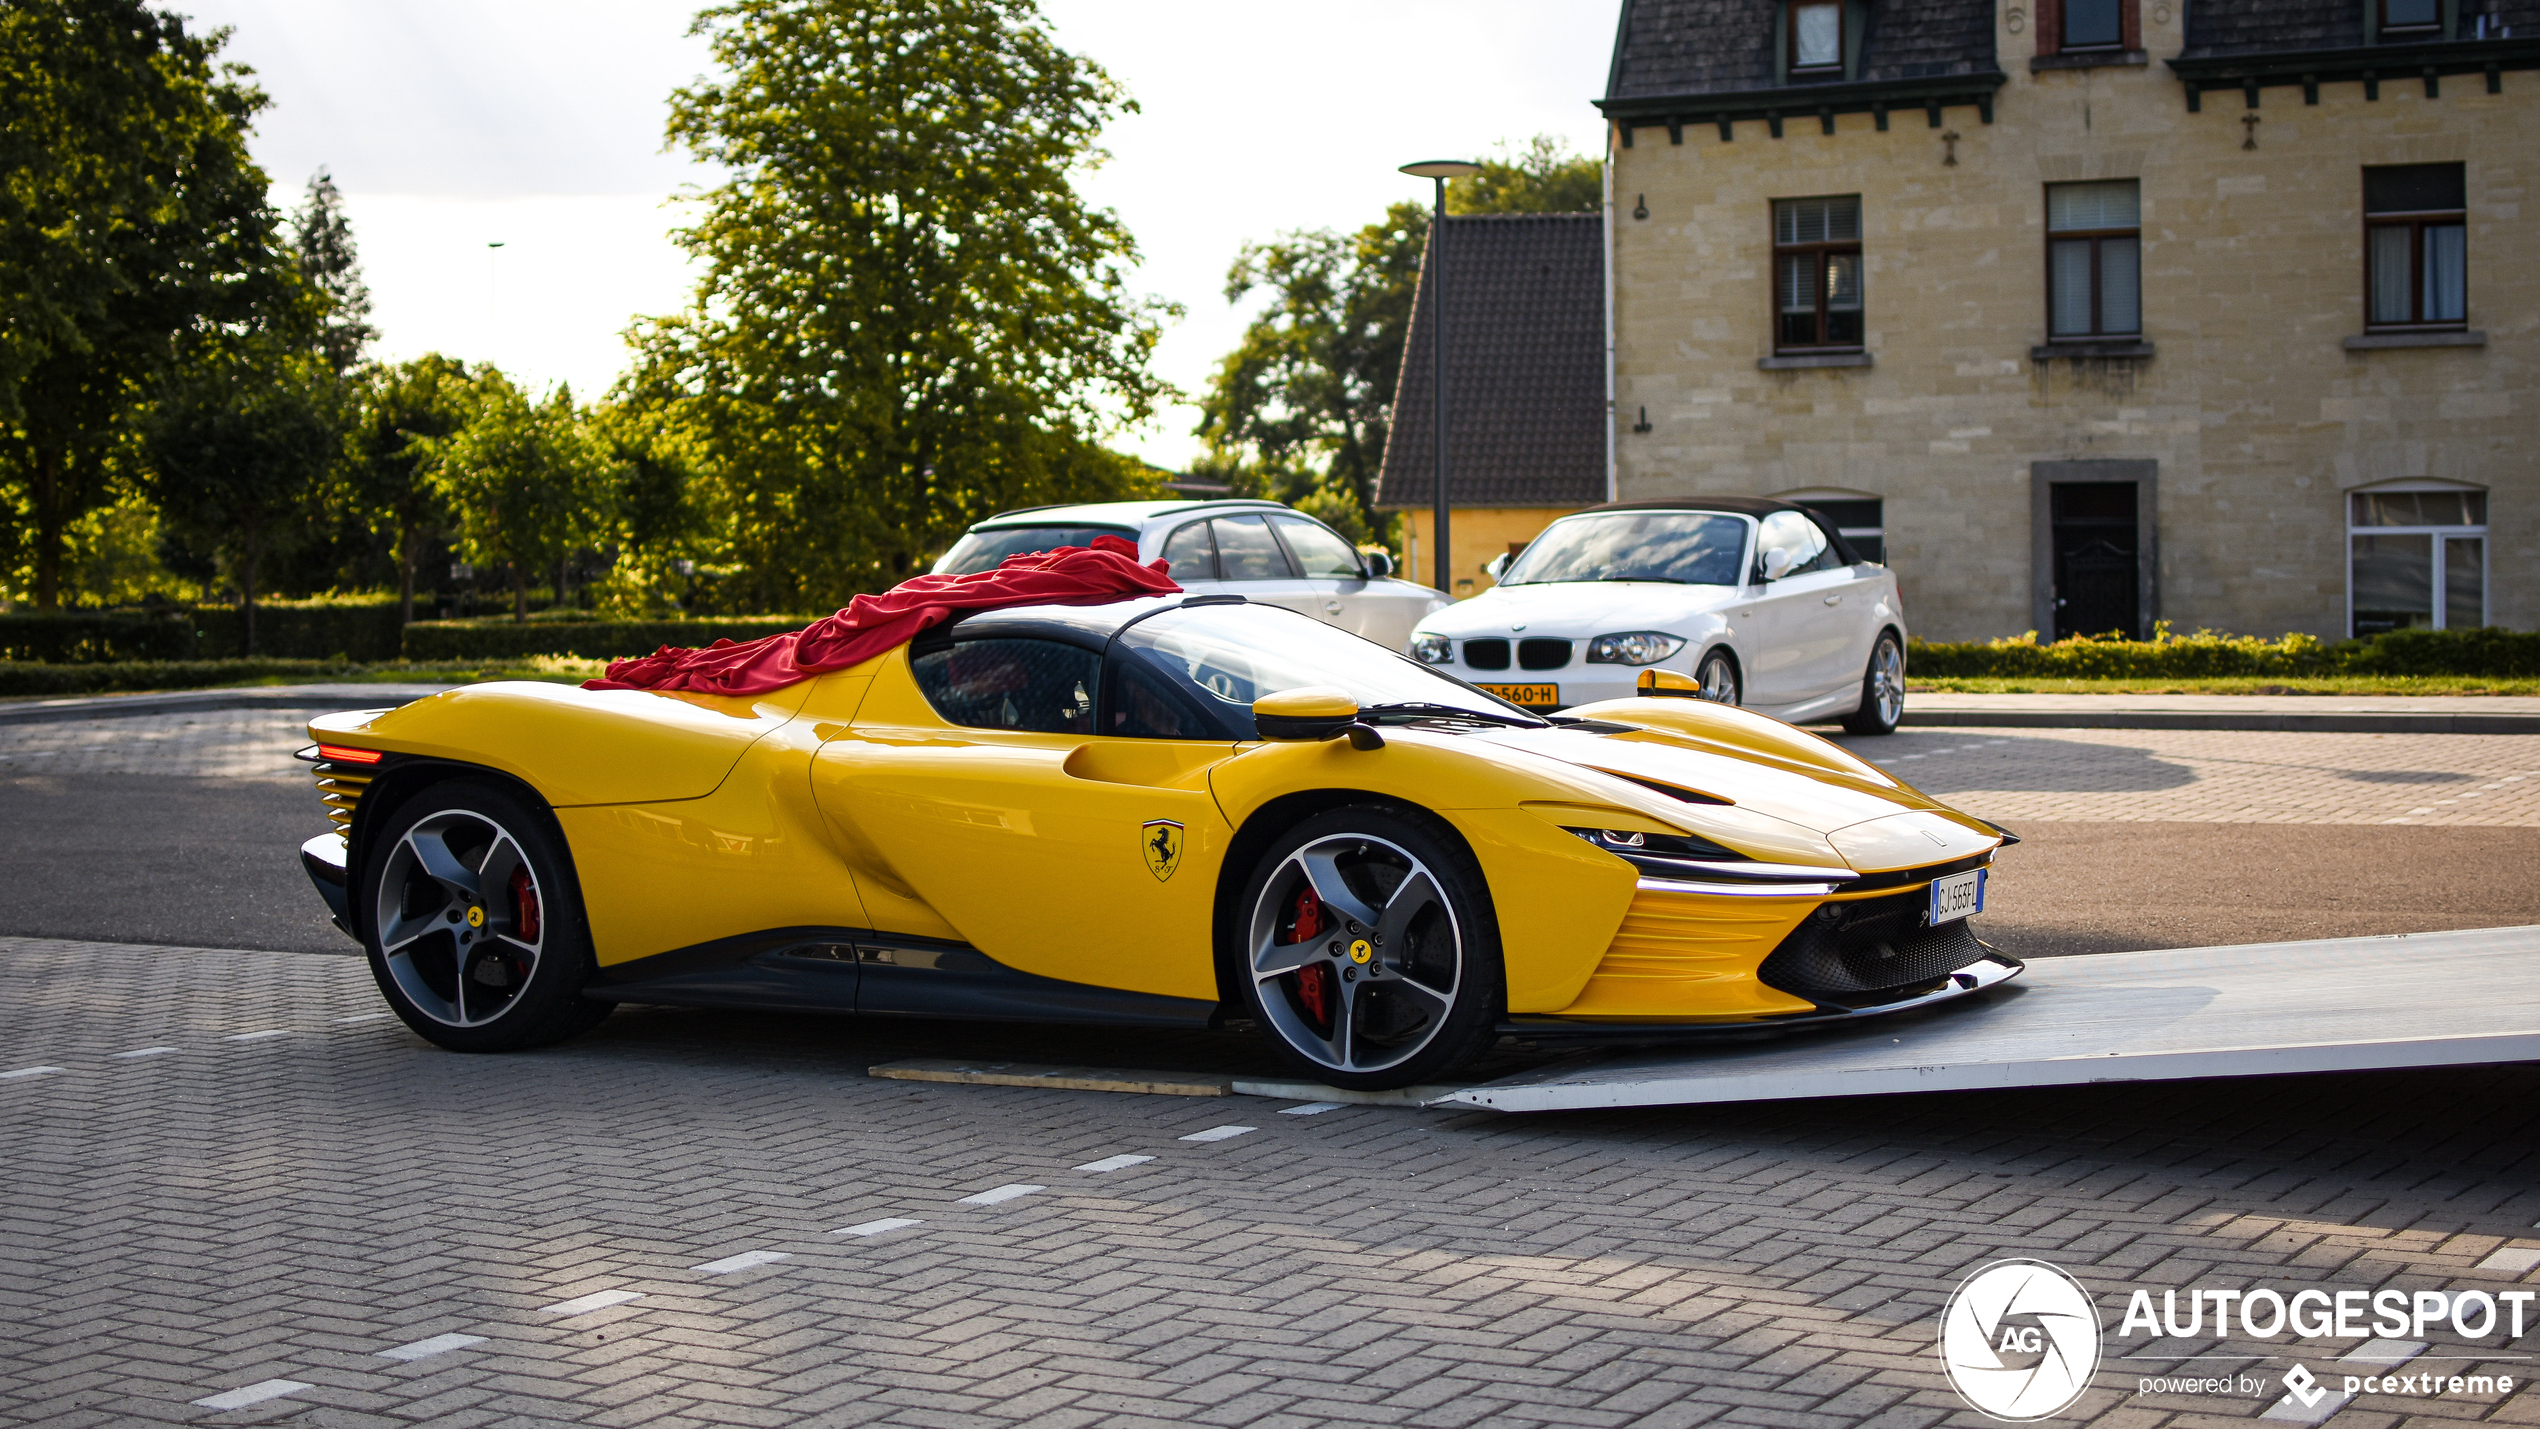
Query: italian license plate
x=1956, y=896
x=1539, y=695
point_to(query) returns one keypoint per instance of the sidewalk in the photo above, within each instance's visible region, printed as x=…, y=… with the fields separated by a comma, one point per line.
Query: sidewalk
x=271, y=697
x=2308, y=714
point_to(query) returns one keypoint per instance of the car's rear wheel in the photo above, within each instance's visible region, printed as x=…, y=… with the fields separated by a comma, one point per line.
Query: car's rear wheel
x=1371, y=952
x=1717, y=677
x=473, y=925
x=1882, y=689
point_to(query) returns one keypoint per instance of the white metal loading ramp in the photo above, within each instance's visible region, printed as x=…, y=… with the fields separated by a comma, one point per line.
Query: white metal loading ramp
x=2263, y=1009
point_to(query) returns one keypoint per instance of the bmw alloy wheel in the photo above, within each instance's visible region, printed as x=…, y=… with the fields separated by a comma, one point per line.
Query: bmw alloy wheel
x=1718, y=678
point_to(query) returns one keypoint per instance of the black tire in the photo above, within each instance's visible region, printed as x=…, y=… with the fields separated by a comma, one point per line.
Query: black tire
x=473, y=922
x=1717, y=676
x=1882, y=689
x=1369, y=1017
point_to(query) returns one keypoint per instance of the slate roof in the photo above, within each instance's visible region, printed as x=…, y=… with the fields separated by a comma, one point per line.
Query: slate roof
x=2247, y=27
x=1690, y=47
x=1525, y=318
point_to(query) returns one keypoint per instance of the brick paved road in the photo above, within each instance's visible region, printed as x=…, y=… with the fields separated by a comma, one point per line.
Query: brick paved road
x=240, y=1210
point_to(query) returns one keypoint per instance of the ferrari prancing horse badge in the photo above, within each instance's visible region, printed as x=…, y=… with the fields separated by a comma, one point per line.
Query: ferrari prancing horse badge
x=1161, y=841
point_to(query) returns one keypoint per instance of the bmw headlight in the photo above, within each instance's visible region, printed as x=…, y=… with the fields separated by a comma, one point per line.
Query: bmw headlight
x=1638, y=647
x=1431, y=649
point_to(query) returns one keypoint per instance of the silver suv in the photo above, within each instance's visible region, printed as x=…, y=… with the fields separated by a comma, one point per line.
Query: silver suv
x=1259, y=549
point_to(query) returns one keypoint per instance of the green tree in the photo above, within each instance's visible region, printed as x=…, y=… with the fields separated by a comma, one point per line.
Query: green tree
x=322, y=240
x=1301, y=408
x=130, y=215
x=400, y=411
x=909, y=318
x=526, y=483
x=236, y=443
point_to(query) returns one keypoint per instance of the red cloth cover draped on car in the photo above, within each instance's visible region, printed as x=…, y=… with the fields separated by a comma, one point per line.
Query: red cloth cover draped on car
x=871, y=624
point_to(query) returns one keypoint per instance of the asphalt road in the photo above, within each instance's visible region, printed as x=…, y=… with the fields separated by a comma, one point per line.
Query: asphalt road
x=213, y=863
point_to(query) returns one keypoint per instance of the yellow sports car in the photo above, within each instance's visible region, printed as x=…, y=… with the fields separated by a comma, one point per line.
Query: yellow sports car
x=1153, y=811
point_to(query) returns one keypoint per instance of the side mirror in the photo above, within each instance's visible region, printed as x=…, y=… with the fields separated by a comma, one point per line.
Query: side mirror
x=1654, y=683
x=1312, y=712
x=1776, y=564
x=1495, y=565
x=1379, y=564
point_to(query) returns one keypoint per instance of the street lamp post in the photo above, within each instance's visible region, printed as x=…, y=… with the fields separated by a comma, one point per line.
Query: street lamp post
x=1439, y=170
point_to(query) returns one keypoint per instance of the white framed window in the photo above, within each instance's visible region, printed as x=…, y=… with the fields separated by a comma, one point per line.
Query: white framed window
x=2416, y=557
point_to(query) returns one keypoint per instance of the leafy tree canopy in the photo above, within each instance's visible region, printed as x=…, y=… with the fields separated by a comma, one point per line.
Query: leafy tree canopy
x=909, y=317
x=130, y=215
x=323, y=239
x=525, y=483
x=1300, y=409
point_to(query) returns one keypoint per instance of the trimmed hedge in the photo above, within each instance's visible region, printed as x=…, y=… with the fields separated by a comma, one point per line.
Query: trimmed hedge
x=506, y=639
x=98, y=678
x=2490, y=652
x=359, y=629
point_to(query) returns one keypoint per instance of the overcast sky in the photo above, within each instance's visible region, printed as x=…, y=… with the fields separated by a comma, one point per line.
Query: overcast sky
x=452, y=124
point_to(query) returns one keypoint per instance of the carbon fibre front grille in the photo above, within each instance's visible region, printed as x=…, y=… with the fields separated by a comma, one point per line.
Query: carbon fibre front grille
x=1870, y=951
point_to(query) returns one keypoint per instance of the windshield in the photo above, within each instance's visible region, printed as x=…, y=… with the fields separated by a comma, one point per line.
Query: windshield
x=985, y=550
x=1687, y=547
x=1193, y=673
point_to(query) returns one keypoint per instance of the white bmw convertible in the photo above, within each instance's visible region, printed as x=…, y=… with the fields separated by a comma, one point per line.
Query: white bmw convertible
x=1761, y=602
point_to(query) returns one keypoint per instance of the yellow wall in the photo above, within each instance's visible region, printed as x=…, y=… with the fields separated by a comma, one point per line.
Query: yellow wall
x=2259, y=417
x=1475, y=534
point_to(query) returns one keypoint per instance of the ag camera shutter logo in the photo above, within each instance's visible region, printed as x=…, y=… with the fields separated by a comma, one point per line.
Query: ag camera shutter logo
x=2020, y=1340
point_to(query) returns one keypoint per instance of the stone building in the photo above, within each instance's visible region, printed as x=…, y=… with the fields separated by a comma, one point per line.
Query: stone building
x=2096, y=312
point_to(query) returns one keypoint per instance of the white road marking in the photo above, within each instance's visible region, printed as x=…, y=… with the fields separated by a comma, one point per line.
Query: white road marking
x=426, y=1349
x=365, y=1017
x=1219, y=1133
x=251, y=1394
x=259, y=1036
x=28, y=1072
x=887, y=1223
x=586, y=1304
x=2512, y=1260
x=1115, y=1163
x=143, y=1052
x=999, y=1194
x=746, y=1260
x=1310, y=1109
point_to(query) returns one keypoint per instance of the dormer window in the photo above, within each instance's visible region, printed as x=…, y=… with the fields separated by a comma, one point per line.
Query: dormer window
x=1816, y=37
x=2410, y=19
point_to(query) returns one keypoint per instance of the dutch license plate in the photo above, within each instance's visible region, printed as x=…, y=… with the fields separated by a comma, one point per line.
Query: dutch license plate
x=1956, y=896
x=1524, y=694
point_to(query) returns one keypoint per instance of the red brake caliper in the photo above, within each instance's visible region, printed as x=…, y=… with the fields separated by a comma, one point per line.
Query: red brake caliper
x=1314, y=980
x=524, y=905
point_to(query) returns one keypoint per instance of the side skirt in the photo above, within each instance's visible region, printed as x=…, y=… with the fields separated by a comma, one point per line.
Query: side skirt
x=877, y=974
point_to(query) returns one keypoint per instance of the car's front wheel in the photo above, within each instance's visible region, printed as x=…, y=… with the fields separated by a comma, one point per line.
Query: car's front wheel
x=1717, y=678
x=1882, y=689
x=472, y=922
x=1371, y=952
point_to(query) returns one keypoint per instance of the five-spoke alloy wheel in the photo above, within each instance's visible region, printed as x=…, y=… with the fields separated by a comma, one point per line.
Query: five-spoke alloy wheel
x=1371, y=953
x=1882, y=689
x=1717, y=678
x=474, y=934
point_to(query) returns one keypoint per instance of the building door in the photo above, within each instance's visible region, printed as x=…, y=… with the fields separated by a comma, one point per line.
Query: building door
x=2097, y=553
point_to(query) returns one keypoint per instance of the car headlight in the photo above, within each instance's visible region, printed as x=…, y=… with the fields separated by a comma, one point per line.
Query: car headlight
x=1638, y=647
x=1431, y=649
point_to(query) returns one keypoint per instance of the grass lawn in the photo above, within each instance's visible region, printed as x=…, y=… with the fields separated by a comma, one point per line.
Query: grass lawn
x=2237, y=685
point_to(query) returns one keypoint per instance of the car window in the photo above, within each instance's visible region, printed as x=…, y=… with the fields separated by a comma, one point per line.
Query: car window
x=1189, y=554
x=1037, y=685
x=1194, y=672
x=1792, y=532
x=1318, y=552
x=983, y=550
x=1685, y=547
x=1246, y=551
